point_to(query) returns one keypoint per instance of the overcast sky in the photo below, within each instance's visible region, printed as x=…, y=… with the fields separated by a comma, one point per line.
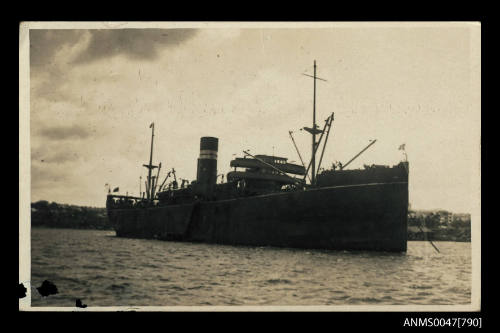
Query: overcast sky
x=93, y=94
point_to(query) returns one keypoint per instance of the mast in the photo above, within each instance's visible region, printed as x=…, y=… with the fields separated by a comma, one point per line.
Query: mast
x=151, y=160
x=313, y=158
x=317, y=145
x=314, y=130
x=174, y=184
x=150, y=166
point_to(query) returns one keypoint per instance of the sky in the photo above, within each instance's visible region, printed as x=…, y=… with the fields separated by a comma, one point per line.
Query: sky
x=94, y=93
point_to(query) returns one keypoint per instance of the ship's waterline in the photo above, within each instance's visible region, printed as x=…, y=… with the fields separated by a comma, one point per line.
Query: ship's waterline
x=104, y=270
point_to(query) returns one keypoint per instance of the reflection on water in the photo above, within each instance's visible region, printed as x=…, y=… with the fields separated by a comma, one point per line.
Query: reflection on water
x=104, y=270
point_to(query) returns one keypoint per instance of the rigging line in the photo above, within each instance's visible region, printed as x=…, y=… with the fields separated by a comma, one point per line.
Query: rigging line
x=315, y=77
x=298, y=152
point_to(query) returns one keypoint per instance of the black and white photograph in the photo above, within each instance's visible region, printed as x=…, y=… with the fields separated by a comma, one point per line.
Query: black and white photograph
x=262, y=166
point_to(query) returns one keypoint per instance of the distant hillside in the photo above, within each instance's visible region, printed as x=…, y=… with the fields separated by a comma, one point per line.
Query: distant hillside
x=56, y=215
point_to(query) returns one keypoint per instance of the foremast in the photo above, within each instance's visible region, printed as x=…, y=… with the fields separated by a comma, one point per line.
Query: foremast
x=150, y=186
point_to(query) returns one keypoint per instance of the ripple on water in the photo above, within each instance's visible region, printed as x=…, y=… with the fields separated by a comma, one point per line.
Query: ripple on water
x=195, y=287
x=278, y=281
x=118, y=286
x=175, y=267
x=338, y=291
x=363, y=300
x=414, y=286
x=424, y=293
x=174, y=287
x=340, y=297
x=94, y=267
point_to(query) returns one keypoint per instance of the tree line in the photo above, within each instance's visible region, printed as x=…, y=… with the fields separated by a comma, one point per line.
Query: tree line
x=54, y=215
x=439, y=225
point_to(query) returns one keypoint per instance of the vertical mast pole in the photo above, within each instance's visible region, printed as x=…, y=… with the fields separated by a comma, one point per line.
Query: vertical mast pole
x=313, y=158
x=150, y=188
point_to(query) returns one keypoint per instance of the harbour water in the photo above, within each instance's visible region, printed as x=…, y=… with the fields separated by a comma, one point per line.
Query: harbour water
x=104, y=270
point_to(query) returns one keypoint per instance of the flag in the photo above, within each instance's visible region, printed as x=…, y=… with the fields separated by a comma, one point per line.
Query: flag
x=116, y=189
x=402, y=147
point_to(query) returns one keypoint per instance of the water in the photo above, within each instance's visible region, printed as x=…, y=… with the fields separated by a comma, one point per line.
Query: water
x=104, y=270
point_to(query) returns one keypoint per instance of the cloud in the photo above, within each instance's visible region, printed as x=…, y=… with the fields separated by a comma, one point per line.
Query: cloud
x=55, y=157
x=64, y=132
x=45, y=177
x=54, y=53
x=101, y=43
x=44, y=44
x=132, y=43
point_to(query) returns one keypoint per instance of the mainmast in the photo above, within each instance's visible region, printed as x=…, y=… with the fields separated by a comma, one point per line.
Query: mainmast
x=150, y=166
x=314, y=130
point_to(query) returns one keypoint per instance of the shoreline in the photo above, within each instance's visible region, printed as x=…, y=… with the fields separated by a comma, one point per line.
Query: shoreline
x=436, y=225
x=419, y=239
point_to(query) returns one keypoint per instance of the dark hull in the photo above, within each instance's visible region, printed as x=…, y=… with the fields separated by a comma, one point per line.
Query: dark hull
x=354, y=217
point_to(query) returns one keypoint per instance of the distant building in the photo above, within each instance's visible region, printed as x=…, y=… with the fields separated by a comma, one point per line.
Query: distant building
x=445, y=217
x=449, y=218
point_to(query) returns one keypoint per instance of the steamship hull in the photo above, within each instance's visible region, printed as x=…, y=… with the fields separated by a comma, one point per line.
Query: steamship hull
x=370, y=216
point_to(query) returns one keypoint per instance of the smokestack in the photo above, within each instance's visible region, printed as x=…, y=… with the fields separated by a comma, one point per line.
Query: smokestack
x=207, y=165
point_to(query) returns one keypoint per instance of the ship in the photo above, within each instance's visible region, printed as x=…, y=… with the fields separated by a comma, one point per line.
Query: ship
x=268, y=201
